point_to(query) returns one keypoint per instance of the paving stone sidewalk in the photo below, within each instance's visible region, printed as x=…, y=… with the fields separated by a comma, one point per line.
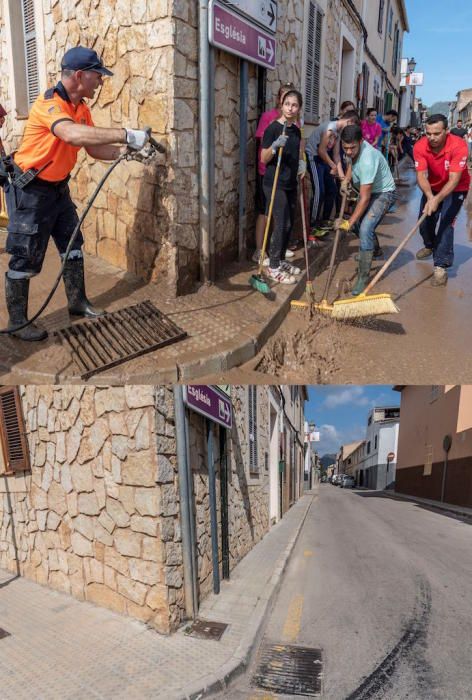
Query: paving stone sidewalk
x=60, y=648
x=226, y=323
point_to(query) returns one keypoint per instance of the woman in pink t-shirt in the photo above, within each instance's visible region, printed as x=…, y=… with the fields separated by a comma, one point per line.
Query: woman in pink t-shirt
x=371, y=129
x=266, y=119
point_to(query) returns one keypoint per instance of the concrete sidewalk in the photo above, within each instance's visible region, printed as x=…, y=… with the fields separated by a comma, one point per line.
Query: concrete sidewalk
x=62, y=648
x=226, y=323
x=451, y=508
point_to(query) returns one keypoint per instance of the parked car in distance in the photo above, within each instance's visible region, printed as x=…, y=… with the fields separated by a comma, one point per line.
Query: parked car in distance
x=336, y=479
x=347, y=481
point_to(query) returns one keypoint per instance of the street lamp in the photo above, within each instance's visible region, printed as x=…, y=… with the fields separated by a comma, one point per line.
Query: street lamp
x=411, y=65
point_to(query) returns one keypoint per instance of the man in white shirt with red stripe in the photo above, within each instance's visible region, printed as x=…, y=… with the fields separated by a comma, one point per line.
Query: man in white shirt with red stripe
x=442, y=175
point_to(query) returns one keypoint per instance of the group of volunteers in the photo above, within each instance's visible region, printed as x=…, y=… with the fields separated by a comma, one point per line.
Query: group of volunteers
x=349, y=152
x=338, y=153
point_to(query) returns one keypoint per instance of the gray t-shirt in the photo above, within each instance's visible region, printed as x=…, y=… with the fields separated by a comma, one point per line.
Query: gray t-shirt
x=315, y=138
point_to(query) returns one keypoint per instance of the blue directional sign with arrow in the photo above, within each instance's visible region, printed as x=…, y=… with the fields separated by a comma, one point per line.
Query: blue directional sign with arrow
x=262, y=12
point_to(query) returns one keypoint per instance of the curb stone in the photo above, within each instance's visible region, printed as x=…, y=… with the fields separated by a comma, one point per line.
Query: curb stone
x=237, y=664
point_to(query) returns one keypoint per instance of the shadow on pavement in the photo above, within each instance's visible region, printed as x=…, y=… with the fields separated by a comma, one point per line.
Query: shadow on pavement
x=425, y=506
x=3, y=584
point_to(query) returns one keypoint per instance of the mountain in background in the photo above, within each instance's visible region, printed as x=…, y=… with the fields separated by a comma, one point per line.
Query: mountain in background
x=327, y=460
x=439, y=108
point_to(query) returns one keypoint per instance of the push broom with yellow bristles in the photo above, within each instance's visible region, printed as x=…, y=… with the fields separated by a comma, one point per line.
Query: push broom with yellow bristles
x=375, y=304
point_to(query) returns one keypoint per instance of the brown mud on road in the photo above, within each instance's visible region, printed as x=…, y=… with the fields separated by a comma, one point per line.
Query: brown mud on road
x=315, y=350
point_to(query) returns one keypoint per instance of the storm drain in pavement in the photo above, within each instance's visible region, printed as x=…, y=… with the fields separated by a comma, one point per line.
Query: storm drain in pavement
x=4, y=633
x=109, y=340
x=289, y=670
x=206, y=629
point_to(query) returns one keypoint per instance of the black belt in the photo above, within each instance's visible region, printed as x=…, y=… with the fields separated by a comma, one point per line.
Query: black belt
x=47, y=183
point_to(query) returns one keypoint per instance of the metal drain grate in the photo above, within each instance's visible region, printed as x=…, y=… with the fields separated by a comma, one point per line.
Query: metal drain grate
x=119, y=336
x=4, y=633
x=289, y=670
x=206, y=629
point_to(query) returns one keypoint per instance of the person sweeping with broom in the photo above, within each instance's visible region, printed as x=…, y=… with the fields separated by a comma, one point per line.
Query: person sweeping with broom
x=441, y=165
x=280, y=183
x=370, y=174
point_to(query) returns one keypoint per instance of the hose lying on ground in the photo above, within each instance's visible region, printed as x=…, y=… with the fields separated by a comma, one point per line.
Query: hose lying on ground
x=139, y=156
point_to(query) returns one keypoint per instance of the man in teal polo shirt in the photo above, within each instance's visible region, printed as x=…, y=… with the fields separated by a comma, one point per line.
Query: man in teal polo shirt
x=370, y=173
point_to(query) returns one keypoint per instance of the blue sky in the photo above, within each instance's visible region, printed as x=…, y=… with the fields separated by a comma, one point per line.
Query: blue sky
x=440, y=41
x=340, y=412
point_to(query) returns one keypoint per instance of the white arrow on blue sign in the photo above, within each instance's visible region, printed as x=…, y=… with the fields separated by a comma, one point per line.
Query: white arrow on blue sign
x=264, y=12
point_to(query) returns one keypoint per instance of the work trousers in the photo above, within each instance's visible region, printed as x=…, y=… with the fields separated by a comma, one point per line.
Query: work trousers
x=285, y=202
x=36, y=213
x=437, y=230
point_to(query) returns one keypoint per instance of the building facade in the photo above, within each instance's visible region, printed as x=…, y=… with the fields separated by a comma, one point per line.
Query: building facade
x=377, y=467
x=435, y=443
x=352, y=455
x=158, y=221
x=91, y=491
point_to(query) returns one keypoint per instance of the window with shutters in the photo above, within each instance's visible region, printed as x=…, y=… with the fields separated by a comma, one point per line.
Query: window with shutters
x=252, y=431
x=396, y=49
x=12, y=431
x=24, y=50
x=381, y=16
x=314, y=35
x=428, y=461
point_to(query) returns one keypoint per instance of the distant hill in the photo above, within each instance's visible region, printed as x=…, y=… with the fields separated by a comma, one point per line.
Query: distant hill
x=327, y=460
x=439, y=108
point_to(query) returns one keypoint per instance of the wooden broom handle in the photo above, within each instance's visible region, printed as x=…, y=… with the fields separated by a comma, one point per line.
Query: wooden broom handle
x=394, y=255
x=335, y=248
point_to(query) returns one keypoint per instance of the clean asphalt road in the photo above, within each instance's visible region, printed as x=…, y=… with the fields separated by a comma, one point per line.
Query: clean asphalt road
x=383, y=588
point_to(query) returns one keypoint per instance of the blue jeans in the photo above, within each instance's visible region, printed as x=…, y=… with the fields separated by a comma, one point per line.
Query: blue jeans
x=441, y=238
x=378, y=206
x=38, y=212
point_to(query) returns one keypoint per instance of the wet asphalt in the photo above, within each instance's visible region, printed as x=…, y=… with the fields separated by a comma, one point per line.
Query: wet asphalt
x=427, y=342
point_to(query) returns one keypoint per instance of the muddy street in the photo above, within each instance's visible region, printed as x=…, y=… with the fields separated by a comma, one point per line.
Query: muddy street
x=428, y=338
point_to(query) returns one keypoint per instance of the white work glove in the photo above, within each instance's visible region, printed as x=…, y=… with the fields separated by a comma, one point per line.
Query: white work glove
x=280, y=142
x=136, y=139
x=301, y=167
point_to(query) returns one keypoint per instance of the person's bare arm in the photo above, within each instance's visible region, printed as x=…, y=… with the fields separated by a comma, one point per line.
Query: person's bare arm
x=266, y=155
x=83, y=135
x=106, y=151
x=323, y=151
x=423, y=183
x=433, y=202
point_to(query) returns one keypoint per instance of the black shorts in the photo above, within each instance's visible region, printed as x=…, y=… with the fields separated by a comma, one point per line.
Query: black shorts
x=261, y=201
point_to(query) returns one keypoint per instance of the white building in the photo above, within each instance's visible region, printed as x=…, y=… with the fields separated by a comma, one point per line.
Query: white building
x=377, y=469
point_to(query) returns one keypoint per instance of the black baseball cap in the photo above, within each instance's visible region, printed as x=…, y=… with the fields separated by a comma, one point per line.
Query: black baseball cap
x=81, y=58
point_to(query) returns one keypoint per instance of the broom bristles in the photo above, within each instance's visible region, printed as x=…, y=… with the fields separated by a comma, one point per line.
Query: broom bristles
x=374, y=305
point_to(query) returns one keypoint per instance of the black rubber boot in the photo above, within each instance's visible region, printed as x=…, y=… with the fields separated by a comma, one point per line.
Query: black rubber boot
x=16, y=296
x=74, y=283
x=365, y=263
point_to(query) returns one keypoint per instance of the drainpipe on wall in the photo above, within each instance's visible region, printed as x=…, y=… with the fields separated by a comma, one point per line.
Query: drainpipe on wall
x=206, y=100
x=186, y=514
x=243, y=114
x=213, y=508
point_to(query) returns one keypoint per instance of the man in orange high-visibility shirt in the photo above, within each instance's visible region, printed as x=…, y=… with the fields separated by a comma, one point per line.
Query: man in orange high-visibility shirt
x=59, y=124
